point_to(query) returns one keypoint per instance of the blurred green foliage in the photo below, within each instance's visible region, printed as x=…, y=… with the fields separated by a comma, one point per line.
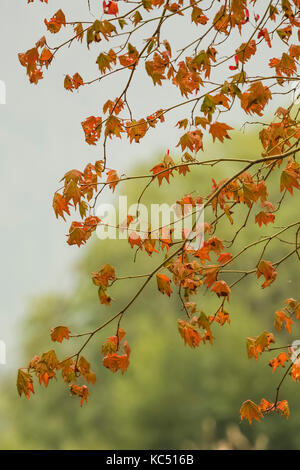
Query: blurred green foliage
x=172, y=397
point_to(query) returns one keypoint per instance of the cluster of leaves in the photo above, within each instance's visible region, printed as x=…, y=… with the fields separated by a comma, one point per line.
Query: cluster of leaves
x=192, y=73
x=290, y=358
x=74, y=367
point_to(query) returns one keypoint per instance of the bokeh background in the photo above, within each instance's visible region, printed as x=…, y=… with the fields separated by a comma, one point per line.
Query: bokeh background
x=171, y=397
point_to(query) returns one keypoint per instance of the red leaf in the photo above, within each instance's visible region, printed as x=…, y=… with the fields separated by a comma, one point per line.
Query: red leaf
x=163, y=284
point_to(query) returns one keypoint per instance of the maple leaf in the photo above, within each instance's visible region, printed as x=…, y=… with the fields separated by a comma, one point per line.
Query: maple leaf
x=283, y=407
x=265, y=405
x=41, y=42
x=84, y=368
x=59, y=333
x=24, y=383
x=60, y=205
x=238, y=9
x=264, y=218
x=113, y=127
x=115, y=362
x=72, y=175
x=72, y=192
x=112, y=360
x=77, y=81
x=189, y=333
x=203, y=61
x=187, y=80
x=295, y=306
x=219, y=130
x=264, y=340
x=266, y=269
x=105, y=61
x=249, y=410
x=91, y=223
x=208, y=106
x=281, y=318
x=112, y=179
x=203, y=321
x=278, y=361
x=284, y=66
x=104, y=275
x=221, y=20
x=149, y=246
x=163, y=284
x=44, y=366
x=294, y=51
x=183, y=169
x=203, y=253
x=295, y=371
x=198, y=17
x=101, y=279
x=56, y=22
x=130, y=59
x=67, y=368
x=191, y=140
x=68, y=83
x=113, y=106
x=220, y=99
x=156, y=68
x=136, y=130
x=77, y=234
x=135, y=239
x=161, y=172
x=259, y=344
x=222, y=289
x=78, y=29
x=80, y=391
x=215, y=245
x=211, y=274
x=46, y=57
x=92, y=129
x=265, y=34
x=224, y=258
x=221, y=317
x=110, y=8
x=255, y=99
x=112, y=343
x=103, y=296
x=289, y=178
x=246, y=50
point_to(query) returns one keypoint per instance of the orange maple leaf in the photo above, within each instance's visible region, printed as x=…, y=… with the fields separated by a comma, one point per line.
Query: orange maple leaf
x=59, y=333
x=161, y=171
x=222, y=289
x=82, y=392
x=289, y=178
x=266, y=269
x=163, y=284
x=60, y=205
x=264, y=218
x=249, y=410
x=56, y=22
x=24, y=383
x=278, y=361
x=282, y=318
x=219, y=130
x=189, y=333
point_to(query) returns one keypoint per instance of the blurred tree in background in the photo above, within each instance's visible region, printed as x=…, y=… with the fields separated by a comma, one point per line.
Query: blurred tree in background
x=172, y=397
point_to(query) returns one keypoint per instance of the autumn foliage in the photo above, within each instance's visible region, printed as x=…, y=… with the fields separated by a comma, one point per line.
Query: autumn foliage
x=259, y=29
